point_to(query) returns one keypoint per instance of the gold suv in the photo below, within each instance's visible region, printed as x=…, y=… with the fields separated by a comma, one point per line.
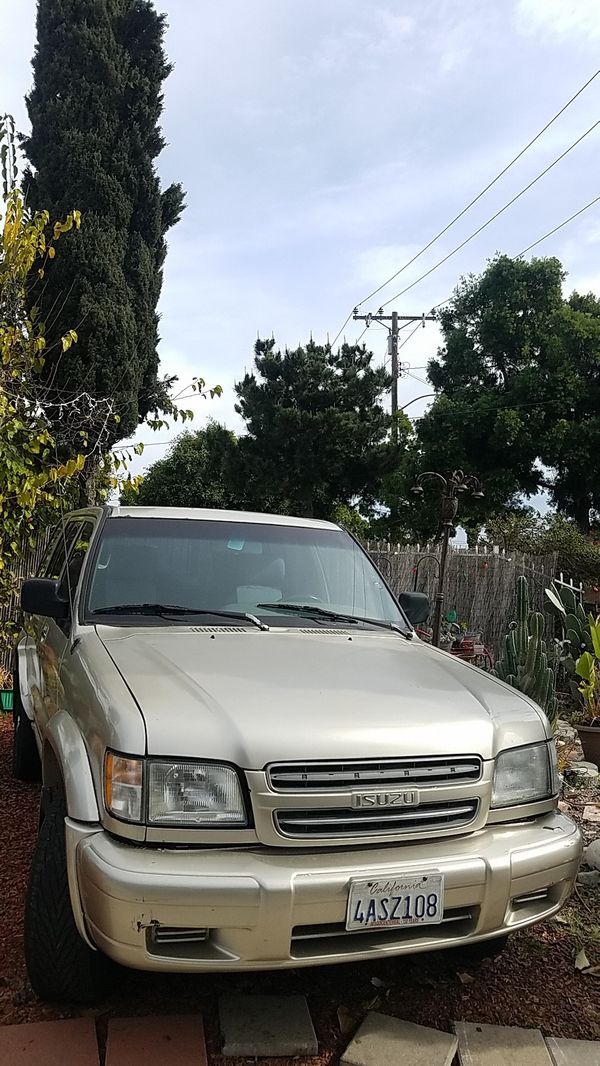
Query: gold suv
x=250, y=761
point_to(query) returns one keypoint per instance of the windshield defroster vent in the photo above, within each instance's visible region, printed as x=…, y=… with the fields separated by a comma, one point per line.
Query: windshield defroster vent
x=219, y=629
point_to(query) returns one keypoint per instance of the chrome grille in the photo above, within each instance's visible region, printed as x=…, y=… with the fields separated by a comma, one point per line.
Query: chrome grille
x=347, y=822
x=322, y=776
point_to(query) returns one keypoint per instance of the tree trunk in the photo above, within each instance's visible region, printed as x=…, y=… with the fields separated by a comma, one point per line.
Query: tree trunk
x=88, y=483
x=306, y=507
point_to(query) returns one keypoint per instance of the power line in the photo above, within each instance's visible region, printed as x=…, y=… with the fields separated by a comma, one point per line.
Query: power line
x=415, y=378
x=150, y=444
x=483, y=191
x=472, y=202
x=556, y=228
x=538, y=241
x=550, y=233
x=411, y=334
x=340, y=331
x=494, y=216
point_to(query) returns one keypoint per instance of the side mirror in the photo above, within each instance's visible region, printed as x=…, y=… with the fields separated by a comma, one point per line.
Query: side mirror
x=416, y=606
x=39, y=595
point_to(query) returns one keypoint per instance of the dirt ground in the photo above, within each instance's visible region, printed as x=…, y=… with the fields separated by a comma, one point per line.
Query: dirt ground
x=534, y=983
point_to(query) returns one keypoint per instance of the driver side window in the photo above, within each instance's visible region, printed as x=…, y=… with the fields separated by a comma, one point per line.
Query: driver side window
x=54, y=562
x=80, y=543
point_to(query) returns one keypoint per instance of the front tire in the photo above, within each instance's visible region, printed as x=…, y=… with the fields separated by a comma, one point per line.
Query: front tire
x=26, y=765
x=60, y=965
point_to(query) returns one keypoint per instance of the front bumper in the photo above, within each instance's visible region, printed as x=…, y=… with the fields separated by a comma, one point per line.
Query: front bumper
x=265, y=909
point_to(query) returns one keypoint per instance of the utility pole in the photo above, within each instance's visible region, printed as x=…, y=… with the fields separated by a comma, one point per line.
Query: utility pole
x=394, y=319
x=394, y=355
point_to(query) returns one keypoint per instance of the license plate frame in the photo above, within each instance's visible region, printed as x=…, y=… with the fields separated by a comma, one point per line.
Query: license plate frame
x=404, y=901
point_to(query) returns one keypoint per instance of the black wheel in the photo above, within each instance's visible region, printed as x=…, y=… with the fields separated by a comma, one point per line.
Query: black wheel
x=60, y=964
x=26, y=764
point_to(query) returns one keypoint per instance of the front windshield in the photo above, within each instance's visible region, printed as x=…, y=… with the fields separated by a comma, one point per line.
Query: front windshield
x=236, y=566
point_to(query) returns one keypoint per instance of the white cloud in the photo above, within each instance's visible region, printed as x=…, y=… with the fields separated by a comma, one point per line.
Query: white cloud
x=591, y=233
x=373, y=265
x=583, y=283
x=560, y=18
x=322, y=144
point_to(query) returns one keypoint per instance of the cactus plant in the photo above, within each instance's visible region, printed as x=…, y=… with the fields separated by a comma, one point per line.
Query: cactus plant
x=524, y=663
x=576, y=630
x=576, y=623
x=582, y=663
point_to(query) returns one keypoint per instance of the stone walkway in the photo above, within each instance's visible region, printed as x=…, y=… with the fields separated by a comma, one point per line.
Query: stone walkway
x=280, y=1026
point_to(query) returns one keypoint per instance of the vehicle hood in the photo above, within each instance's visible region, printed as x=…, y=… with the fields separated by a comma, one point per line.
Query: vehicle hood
x=251, y=697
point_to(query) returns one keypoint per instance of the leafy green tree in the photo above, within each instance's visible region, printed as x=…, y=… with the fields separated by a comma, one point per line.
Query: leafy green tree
x=518, y=389
x=201, y=469
x=526, y=531
x=317, y=430
x=95, y=109
x=33, y=480
x=571, y=444
x=352, y=520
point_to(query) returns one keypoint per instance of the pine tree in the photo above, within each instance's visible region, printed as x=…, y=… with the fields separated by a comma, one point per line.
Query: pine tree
x=95, y=113
x=317, y=430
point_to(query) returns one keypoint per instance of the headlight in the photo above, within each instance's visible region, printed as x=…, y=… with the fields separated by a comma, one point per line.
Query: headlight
x=172, y=793
x=188, y=793
x=123, y=786
x=525, y=775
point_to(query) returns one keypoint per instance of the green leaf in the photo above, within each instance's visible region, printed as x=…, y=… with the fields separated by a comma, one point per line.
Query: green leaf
x=595, y=633
x=584, y=666
x=555, y=599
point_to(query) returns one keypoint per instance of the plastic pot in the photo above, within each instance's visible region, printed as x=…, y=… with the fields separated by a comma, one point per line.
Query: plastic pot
x=589, y=736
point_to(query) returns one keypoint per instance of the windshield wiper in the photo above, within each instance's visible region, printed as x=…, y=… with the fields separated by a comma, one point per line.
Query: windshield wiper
x=336, y=616
x=164, y=609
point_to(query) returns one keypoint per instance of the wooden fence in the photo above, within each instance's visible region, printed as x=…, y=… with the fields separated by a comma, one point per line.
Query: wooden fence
x=479, y=584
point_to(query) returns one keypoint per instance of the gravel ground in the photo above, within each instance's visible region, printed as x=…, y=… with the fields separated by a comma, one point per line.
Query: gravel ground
x=534, y=983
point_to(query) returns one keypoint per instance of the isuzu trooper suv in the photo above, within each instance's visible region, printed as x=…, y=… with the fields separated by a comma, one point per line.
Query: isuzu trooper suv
x=249, y=760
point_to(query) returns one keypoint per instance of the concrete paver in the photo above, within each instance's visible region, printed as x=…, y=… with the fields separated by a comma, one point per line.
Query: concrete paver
x=574, y=1052
x=66, y=1043
x=169, y=1040
x=500, y=1045
x=385, y=1041
x=268, y=1026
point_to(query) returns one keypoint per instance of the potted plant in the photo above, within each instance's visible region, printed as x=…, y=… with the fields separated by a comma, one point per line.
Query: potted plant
x=581, y=664
x=6, y=689
x=587, y=669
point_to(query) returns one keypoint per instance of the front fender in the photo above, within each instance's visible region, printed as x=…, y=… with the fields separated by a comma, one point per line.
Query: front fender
x=65, y=756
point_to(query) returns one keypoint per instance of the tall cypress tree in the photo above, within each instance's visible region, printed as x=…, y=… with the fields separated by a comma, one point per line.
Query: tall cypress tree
x=95, y=109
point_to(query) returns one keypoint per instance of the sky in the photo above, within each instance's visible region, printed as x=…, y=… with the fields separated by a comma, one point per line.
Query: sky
x=321, y=145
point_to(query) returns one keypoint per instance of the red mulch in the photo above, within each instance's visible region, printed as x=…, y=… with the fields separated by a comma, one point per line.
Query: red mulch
x=534, y=983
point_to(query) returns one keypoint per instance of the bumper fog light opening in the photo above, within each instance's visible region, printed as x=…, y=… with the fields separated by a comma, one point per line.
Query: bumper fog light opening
x=167, y=934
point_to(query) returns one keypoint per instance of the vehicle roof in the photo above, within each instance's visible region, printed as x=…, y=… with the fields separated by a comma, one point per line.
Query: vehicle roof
x=202, y=514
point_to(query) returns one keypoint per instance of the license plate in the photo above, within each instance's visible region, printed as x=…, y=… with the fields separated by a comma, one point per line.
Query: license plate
x=415, y=899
